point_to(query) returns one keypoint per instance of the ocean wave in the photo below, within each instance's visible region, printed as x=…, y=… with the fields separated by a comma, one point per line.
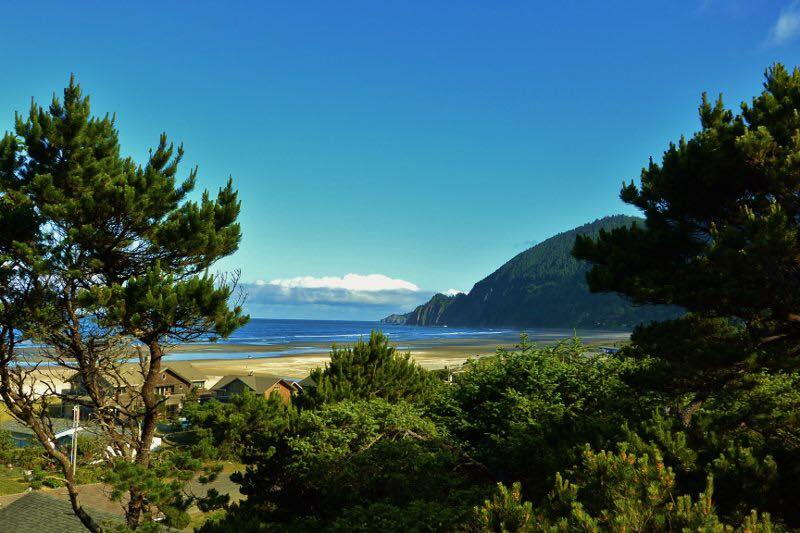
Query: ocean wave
x=450, y=333
x=328, y=336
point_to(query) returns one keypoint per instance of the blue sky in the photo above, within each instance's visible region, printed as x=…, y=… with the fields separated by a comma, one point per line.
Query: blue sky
x=416, y=146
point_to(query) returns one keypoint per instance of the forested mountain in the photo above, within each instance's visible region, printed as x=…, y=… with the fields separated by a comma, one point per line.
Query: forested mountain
x=542, y=286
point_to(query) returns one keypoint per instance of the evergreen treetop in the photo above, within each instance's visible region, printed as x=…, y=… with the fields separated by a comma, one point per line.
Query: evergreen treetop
x=103, y=259
x=721, y=232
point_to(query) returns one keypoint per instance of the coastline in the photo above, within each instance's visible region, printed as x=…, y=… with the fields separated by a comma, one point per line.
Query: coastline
x=297, y=360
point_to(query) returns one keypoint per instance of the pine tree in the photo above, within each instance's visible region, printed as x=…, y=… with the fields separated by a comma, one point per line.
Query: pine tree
x=366, y=370
x=720, y=240
x=99, y=252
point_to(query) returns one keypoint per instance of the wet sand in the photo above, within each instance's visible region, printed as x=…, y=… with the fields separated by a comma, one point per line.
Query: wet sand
x=297, y=360
x=284, y=360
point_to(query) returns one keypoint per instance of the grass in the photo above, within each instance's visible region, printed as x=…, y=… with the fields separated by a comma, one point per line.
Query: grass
x=224, y=485
x=181, y=437
x=12, y=481
x=197, y=520
x=54, y=409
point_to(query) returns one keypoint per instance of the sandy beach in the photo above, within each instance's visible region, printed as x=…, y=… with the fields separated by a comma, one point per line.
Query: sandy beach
x=293, y=360
x=432, y=354
x=268, y=359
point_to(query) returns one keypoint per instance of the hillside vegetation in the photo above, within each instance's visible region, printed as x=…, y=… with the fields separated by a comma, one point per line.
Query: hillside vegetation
x=542, y=286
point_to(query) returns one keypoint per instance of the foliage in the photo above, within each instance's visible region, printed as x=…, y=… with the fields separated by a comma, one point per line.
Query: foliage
x=7, y=446
x=504, y=512
x=746, y=438
x=225, y=430
x=366, y=370
x=162, y=484
x=614, y=492
x=721, y=231
x=721, y=240
x=525, y=414
x=625, y=492
x=752, y=437
x=688, y=354
x=102, y=257
x=26, y=457
x=551, y=399
x=41, y=478
x=91, y=448
x=418, y=516
x=357, y=464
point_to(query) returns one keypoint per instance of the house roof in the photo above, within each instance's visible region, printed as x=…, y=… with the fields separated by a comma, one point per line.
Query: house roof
x=15, y=426
x=126, y=374
x=37, y=512
x=257, y=383
x=307, y=381
x=185, y=369
x=131, y=373
x=61, y=427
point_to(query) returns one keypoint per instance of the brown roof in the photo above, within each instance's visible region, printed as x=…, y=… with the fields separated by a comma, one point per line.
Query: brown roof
x=307, y=381
x=185, y=369
x=131, y=373
x=256, y=383
x=126, y=374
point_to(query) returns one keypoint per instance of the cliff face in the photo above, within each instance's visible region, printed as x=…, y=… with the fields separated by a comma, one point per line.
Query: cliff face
x=395, y=319
x=542, y=286
x=429, y=313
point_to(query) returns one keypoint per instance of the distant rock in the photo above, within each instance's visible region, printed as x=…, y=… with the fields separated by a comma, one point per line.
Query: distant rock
x=397, y=320
x=543, y=286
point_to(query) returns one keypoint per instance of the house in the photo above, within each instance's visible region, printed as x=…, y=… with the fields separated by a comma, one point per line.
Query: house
x=263, y=385
x=44, y=511
x=301, y=385
x=608, y=350
x=174, y=381
x=36, y=512
x=173, y=386
x=306, y=383
x=189, y=372
x=23, y=436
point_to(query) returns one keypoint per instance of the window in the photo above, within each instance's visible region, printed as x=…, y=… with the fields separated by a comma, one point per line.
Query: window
x=165, y=390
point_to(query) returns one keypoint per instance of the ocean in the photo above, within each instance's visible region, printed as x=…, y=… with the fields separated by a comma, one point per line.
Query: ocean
x=295, y=337
x=266, y=332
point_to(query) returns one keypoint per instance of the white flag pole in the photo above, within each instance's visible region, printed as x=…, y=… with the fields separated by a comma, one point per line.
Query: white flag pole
x=76, y=418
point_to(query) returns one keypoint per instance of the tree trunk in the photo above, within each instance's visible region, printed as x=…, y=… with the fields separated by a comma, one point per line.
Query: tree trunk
x=136, y=505
x=87, y=521
x=17, y=407
x=689, y=411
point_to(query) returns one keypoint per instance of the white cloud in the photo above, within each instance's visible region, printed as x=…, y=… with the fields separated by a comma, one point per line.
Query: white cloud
x=787, y=27
x=350, y=282
x=356, y=296
x=370, y=296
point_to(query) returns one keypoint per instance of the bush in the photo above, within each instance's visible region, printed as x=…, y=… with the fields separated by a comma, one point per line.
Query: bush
x=540, y=406
x=369, y=370
x=225, y=430
x=8, y=447
x=360, y=462
x=504, y=512
x=612, y=492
